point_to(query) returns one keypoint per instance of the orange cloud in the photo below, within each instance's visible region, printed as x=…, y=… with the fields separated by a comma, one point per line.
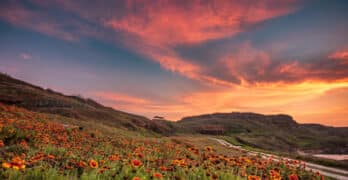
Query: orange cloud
x=340, y=55
x=308, y=102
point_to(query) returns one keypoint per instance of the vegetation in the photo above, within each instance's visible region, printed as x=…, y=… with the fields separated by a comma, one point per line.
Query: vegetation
x=48, y=135
x=35, y=147
x=278, y=133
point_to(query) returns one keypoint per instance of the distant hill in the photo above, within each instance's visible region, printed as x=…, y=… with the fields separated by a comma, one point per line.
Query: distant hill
x=271, y=132
x=23, y=94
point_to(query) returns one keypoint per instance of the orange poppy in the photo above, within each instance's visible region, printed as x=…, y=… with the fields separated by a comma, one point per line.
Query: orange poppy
x=17, y=163
x=293, y=177
x=136, y=163
x=50, y=156
x=6, y=165
x=93, y=164
x=157, y=175
x=114, y=157
x=81, y=164
x=136, y=178
x=253, y=177
x=209, y=148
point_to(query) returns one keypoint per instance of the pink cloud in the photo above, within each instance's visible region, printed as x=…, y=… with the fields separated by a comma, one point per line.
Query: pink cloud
x=171, y=23
x=158, y=26
x=151, y=28
x=246, y=62
x=340, y=55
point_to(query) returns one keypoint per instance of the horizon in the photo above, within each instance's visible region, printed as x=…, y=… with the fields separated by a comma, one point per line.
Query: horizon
x=148, y=58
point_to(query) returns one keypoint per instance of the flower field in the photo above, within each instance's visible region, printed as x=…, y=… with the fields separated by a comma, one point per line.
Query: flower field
x=34, y=146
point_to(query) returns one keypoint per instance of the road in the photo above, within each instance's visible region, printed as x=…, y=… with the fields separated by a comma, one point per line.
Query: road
x=324, y=170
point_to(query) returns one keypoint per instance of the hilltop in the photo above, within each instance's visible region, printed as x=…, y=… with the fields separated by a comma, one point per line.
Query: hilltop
x=270, y=132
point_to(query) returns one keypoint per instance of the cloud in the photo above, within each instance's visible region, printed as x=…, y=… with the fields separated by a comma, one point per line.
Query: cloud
x=171, y=23
x=25, y=56
x=247, y=65
x=155, y=28
x=151, y=28
x=340, y=55
x=305, y=101
x=46, y=21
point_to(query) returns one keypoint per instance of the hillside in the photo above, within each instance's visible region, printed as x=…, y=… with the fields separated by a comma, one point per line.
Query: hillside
x=34, y=146
x=270, y=132
x=31, y=97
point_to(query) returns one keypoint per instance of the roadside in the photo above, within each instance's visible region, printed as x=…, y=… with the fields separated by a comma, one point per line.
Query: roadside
x=324, y=170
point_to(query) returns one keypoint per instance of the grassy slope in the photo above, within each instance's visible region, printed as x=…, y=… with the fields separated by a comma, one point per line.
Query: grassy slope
x=19, y=93
x=252, y=132
x=275, y=133
x=60, y=150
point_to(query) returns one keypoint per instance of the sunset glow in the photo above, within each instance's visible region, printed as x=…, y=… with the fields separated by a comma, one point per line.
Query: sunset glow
x=184, y=58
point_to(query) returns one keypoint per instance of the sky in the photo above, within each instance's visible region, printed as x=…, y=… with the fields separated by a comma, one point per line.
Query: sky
x=177, y=58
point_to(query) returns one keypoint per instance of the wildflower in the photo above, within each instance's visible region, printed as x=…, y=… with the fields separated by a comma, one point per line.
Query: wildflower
x=6, y=165
x=93, y=164
x=17, y=163
x=275, y=175
x=114, y=157
x=24, y=144
x=163, y=168
x=2, y=143
x=136, y=178
x=50, y=156
x=157, y=175
x=253, y=177
x=293, y=177
x=209, y=148
x=136, y=163
x=139, y=155
x=81, y=164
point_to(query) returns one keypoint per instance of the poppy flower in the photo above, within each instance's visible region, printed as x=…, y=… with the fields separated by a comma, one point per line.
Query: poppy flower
x=157, y=175
x=114, y=157
x=209, y=148
x=50, y=156
x=2, y=143
x=253, y=177
x=163, y=168
x=136, y=163
x=93, y=164
x=17, y=163
x=136, y=178
x=6, y=165
x=275, y=175
x=293, y=177
x=81, y=164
